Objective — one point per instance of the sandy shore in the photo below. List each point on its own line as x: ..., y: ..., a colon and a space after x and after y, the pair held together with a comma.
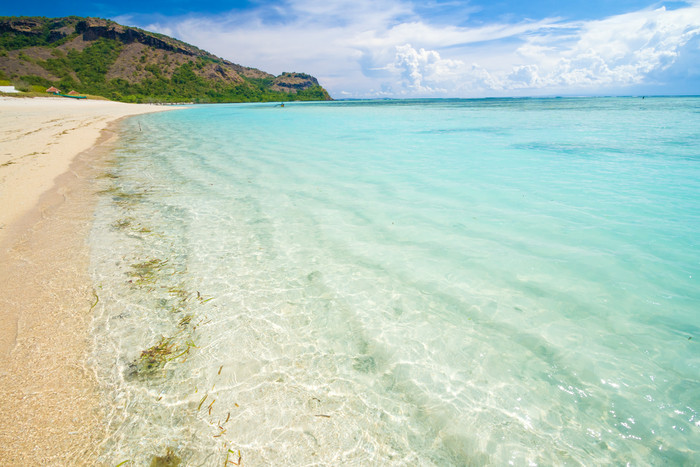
x: 51, y: 149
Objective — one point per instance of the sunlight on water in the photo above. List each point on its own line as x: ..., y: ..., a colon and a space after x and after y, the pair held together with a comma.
x: 383, y: 283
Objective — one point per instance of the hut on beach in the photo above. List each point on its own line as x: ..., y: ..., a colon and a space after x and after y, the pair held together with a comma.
x: 53, y: 90
x: 74, y: 93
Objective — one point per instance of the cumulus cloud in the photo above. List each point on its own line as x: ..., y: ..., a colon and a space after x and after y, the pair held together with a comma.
x: 525, y: 76
x: 425, y: 73
x: 362, y: 48
x: 422, y: 70
x: 619, y: 51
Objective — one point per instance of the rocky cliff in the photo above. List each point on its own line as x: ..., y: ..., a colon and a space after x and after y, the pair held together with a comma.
x: 98, y: 56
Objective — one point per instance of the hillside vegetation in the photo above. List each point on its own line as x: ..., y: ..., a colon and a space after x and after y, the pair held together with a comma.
x: 100, y: 57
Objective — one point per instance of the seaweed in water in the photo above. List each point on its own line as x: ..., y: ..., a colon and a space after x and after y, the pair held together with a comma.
x: 188, y: 345
x: 146, y: 272
x: 170, y: 459
x: 122, y: 223
x: 202, y: 299
x: 180, y: 296
x: 185, y: 320
x: 123, y: 198
x: 156, y: 356
x: 231, y: 461
x: 132, y: 226
x: 97, y: 299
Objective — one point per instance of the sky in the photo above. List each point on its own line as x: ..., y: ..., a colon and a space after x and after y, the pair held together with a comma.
x: 435, y: 48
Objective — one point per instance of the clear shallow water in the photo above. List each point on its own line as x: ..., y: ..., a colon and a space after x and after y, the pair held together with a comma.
x: 384, y: 283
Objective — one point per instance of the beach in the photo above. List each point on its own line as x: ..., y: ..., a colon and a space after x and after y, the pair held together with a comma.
x: 431, y: 282
x: 51, y: 149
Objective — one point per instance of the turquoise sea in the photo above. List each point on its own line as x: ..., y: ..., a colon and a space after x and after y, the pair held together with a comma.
x: 427, y: 282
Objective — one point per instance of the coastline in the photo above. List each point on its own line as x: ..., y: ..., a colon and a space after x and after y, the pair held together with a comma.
x: 51, y: 150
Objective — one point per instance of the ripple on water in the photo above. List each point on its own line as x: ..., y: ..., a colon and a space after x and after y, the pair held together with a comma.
x: 360, y: 286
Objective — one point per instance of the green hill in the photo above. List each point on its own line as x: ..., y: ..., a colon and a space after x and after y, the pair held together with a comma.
x: 100, y: 57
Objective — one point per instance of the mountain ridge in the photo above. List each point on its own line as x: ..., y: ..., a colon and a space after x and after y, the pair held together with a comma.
x: 99, y: 56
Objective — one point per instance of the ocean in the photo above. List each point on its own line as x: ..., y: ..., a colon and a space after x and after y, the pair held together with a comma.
x: 409, y: 282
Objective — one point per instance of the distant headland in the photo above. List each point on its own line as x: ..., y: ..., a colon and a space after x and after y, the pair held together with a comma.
x: 99, y: 57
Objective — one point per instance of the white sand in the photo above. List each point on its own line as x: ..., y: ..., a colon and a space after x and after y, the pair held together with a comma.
x: 49, y: 407
x: 40, y: 137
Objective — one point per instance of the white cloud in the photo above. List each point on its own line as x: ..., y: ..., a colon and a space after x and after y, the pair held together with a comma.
x: 422, y: 70
x: 525, y: 76
x: 363, y: 48
x: 617, y: 51
x: 425, y: 73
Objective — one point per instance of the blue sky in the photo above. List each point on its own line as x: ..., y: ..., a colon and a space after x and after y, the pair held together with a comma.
x: 436, y: 48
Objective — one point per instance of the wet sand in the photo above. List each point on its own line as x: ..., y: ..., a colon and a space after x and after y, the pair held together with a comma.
x: 51, y: 151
